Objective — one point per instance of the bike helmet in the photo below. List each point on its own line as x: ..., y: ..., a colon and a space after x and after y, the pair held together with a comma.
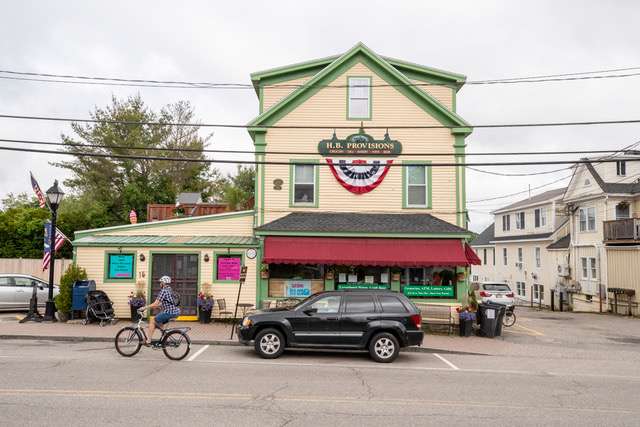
x: 165, y: 280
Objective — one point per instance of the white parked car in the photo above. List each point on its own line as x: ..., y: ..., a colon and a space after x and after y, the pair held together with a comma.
x: 496, y: 292
x: 16, y: 290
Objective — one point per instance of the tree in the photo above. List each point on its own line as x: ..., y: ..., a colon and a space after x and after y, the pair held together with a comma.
x: 239, y: 189
x: 21, y: 227
x: 120, y: 185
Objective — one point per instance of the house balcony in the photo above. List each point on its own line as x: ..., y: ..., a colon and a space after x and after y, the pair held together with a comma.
x: 622, y: 231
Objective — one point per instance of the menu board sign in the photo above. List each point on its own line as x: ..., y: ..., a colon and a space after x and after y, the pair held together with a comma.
x: 121, y: 266
x: 297, y: 288
x: 228, y: 267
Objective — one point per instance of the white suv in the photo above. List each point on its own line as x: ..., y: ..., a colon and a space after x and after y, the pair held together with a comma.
x: 496, y: 292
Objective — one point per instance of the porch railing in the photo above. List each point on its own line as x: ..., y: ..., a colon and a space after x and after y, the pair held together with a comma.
x: 622, y: 229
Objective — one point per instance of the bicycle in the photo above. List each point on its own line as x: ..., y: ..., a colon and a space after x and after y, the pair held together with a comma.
x: 509, y: 318
x: 174, y: 342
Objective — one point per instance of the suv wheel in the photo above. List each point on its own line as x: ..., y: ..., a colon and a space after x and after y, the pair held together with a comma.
x: 269, y: 344
x: 384, y: 348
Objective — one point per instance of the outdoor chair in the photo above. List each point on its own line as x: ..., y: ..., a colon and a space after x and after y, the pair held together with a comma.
x: 222, y: 308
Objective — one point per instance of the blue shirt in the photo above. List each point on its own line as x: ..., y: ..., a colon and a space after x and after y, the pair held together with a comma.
x: 168, y: 302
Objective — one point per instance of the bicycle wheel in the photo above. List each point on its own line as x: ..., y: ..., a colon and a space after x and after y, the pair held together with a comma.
x: 128, y: 341
x: 509, y: 319
x: 176, y: 345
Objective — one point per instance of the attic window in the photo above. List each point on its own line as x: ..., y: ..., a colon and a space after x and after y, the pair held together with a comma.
x: 587, y: 182
x: 359, y: 98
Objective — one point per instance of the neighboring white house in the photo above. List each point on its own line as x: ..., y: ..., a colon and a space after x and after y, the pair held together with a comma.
x: 515, y: 248
x: 584, y: 240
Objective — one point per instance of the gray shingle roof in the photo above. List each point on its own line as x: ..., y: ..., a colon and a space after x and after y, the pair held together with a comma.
x: 485, y: 237
x: 523, y: 237
x: 613, y: 187
x: 562, y: 243
x: 333, y: 222
x: 547, y: 195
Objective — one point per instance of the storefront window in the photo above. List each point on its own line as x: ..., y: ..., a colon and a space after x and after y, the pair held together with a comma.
x: 362, y: 275
x: 295, y: 271
x: 428, y: 282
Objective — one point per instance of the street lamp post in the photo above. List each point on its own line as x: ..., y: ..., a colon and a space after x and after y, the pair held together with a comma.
x: 54, y: 196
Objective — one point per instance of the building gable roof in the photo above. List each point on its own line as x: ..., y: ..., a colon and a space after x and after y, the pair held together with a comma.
x: 361, y: 54
x: 613, y: 187
x: 486, y: 237
x: 562, y: 243
x: 540, y: 198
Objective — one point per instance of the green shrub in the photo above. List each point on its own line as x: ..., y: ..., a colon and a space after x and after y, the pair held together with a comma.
x: 63, y: 299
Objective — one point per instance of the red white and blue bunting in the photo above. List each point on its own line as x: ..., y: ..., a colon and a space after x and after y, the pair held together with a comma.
x: 359, y: 176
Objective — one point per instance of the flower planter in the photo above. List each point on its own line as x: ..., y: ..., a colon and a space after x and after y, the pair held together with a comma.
x: 264, y: 274
x: 204, y: 316
x: 63, y: 316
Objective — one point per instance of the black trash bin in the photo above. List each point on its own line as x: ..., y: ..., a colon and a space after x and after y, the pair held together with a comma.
x: 501, y: 309
x: 466, y: 327
x: 488, y: 316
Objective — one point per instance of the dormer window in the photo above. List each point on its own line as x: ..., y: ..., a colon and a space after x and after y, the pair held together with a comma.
x: 587, y: 182
x: 621, y: 168
x: 359, y: 98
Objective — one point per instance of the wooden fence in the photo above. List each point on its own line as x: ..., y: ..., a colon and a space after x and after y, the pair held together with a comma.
x: 33, y: 267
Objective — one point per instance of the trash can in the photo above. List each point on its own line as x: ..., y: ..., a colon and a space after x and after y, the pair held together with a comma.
x: 80, y: 290
x: 501, y: 309
x: 488, y: 316
x: 466, y: 324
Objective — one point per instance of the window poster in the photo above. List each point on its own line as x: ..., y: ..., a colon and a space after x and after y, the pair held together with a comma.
x: 228, y: 267
x: 342, y: 277
x: 120, y: 266
x: 297, y: 288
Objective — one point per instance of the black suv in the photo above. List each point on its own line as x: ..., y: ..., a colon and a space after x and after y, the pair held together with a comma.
x: 380, y: 321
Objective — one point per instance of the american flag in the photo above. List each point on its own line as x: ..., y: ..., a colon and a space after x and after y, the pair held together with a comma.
x: 60, y: 239
x: 36, y: 188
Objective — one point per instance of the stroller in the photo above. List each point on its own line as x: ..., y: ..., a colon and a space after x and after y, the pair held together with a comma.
x: 99, y: 308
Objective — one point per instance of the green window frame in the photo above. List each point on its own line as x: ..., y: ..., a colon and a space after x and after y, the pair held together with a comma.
x: 315, y: 183
x: 406, y: 184
x: 217, y: 255
x: 353, y: 94
x: 107, y: 277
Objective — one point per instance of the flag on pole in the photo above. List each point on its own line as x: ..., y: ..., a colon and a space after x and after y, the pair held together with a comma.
x: 60, y: 239
x: 36, y: 188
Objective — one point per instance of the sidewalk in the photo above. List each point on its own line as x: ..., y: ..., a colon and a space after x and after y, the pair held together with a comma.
x: 213, y: 334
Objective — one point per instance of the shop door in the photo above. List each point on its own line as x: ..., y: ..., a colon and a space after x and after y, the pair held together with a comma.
x: 183, y: 270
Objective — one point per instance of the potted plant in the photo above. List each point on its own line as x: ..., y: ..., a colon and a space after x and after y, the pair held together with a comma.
x: 329, y: 274
x: 64, y: 298
x: 205, y: 306
x: 136, y: 301
x: 264, y: 271
x: 395, y: 275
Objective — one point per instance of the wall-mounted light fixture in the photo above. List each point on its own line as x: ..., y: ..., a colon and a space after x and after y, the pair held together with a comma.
x: 142, y: 257
x: 206, y: 258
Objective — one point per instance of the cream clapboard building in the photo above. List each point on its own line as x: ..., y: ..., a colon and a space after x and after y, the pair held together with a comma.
x: 347, y: 210
x: 594, y: 245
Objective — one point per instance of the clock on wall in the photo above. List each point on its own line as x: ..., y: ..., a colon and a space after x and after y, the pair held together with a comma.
x: 251, y: 253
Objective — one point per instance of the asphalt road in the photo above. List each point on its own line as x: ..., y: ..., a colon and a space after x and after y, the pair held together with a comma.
x: 69, y: 384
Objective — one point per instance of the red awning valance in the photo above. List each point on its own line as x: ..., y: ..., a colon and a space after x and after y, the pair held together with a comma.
x: 471, y: 255
x: 366, y: 251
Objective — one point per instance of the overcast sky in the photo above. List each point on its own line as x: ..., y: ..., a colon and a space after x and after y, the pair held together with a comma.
x: 226, y: 41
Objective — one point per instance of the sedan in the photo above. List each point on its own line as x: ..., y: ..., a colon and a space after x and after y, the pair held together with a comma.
x: 16, y: 291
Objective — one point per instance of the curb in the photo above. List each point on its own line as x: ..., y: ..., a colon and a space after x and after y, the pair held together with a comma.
x: 210, y: 342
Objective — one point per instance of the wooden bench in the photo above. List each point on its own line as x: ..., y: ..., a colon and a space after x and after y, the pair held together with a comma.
x: 436, y: 314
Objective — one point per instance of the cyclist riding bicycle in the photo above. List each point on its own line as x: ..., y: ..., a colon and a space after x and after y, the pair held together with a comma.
x: 167, y: 302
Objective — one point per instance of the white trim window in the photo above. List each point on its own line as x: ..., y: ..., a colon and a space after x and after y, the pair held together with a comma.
x: 540, y: 217
x: 589, y: 268
x: 538, y: 292
x: 521, y: 289
x: 506, y: 222
x: 538, y: 260
x: 304, y: 184
x: 519, y: 220
x: 505, y: 258
x: 623, y: 210
x: 417, y: 186
x: 484, y: 257
x: 621, y: 168
x: 587, y: 219
x: 359, y: 98
x: 520, y: 255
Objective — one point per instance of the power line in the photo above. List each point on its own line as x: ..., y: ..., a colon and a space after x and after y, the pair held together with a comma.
x: 116, y: 81
x: 520, y: 192
x: 354, y: 126
x: 254, y: 162
x: 513, y: 174
x: 207, y: 150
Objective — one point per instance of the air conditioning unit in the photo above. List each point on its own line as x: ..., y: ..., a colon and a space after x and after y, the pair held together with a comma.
x: 519, y: 265
x: 564, y: 270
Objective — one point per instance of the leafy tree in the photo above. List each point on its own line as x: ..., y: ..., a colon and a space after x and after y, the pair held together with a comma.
x: 21, y: 227
x: 124, y: 184
x: 71, y: 275
x: 238, y: 189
